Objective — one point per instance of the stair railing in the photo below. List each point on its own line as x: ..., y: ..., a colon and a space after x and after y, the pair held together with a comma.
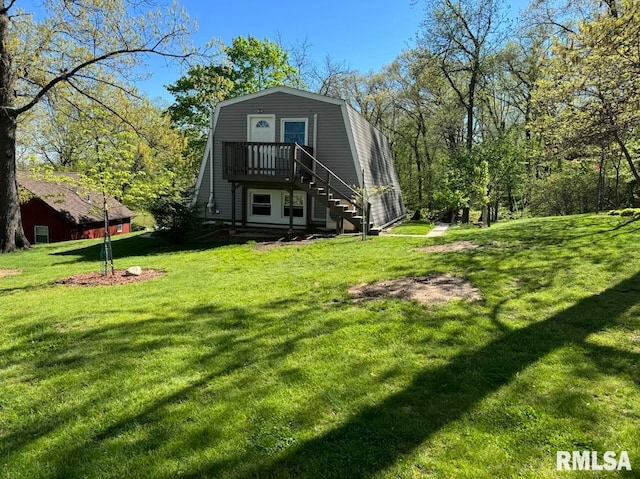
x: 356, y: 199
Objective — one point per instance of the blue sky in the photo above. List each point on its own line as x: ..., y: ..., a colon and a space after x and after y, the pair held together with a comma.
x: 365, y: 35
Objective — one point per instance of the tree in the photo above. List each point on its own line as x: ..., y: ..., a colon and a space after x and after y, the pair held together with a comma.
x: 425, y: 123
x: 588, y: 102
x: 247, y: 66
x: 78, y: 45
x: 151, y: 151
x: 464, y: 35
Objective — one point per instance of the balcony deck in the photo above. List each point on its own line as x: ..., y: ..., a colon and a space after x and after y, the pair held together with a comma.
x: 264, y: 162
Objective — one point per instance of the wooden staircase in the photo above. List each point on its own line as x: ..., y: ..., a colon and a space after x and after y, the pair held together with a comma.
x: 330, y: 190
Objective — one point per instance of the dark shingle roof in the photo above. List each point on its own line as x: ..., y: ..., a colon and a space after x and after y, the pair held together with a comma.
x: 74, y: 203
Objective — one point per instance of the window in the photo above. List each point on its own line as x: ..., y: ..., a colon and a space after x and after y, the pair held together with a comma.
x: 41, y: 234
x: 298, y: 205
x: 262, y: 124
x: 294, y: 131
x: 261, y: 204
x: 119, y: 228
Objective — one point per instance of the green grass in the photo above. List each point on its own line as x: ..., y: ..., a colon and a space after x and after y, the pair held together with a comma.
x: 419, y: 227
x: 143, y: 219
x: 246, y: 363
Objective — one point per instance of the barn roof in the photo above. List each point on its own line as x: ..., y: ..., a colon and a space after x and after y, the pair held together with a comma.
x: 78, y: 205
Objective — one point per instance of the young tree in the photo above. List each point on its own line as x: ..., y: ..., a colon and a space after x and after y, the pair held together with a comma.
x: 77, y: 45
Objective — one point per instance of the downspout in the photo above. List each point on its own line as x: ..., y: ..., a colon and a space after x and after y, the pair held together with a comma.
x: 311, y: 215
x: 211, y: 203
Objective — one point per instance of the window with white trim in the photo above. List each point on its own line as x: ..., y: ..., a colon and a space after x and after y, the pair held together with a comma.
x: 260, y: 204
x: 294, y: 131
x: 298, y: 204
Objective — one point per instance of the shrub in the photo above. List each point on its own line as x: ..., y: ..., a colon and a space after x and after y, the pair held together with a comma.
x: 175, y: 217
x: 572, y: 191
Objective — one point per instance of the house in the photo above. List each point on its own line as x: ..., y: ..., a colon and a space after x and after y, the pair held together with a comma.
x: 284, y: 157
x: 57, y: 211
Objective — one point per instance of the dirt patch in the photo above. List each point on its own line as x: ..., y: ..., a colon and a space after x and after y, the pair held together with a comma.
x: 294, y: 241
x: 449, y: 247
x: 9, y: 272
x: 426, y: 289
x: 119, y: 277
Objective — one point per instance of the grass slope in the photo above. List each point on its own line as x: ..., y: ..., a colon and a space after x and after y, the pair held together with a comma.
x: 245, y: 363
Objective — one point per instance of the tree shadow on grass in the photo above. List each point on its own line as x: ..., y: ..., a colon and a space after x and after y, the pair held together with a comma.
x: 142, y: 246
x: 380, y: 434
x: 229, y: 342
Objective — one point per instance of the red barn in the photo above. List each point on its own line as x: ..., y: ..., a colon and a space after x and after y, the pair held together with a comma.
x: 58, y: 211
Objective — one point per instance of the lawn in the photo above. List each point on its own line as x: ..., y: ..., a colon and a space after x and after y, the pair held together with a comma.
x: 417, y: 227
x: 243, y: 362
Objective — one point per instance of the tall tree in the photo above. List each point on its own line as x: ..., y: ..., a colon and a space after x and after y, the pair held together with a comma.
x: 247, y: 66
x: 589, y: 99
x: 150, y: 151
x: 77, y: 45
x: 464, y: 35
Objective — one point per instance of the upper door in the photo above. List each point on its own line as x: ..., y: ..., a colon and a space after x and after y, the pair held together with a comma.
x: 261, y: 128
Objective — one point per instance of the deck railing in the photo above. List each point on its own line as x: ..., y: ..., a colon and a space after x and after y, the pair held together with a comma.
x: 290, y: 163
x: 246, y: 161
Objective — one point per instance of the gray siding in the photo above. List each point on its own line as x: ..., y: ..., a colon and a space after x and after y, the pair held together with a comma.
x: 336, y: 126
x: 332, y: 146
x: 374, y: 157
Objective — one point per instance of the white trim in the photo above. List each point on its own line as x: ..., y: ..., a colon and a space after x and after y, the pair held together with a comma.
x: 306, y: 128
x: 314, y: 217
x: 282, y: 89
x: 208, y: 154
x: 277, y: 216
x: 270, y: 116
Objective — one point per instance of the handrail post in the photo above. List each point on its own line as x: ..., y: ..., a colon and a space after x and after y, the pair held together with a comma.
x: 365, y: 209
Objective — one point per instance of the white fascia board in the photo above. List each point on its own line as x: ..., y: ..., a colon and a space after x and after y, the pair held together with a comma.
x: 205, y: 157
x: 282, y: 89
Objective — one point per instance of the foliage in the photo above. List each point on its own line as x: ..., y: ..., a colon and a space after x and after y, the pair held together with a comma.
x: 626, y: 212
x: 589, y: 97
x: 78, y: 47
x: 464, y: 35
x: 175, y: 216
x: 247, y: 66
x: 570, y: 191
x: 205, y: 372
x: 135, y: 155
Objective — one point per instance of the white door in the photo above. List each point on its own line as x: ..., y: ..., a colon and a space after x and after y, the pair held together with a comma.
x: 261, y: 129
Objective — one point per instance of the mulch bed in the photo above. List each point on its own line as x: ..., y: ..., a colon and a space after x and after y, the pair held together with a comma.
x: 120, y: 276
x: 299, y: 240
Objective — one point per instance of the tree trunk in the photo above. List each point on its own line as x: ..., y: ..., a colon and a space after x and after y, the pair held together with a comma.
x: 416, y: 151
x: 11, y: 234
x: 470, y: 108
